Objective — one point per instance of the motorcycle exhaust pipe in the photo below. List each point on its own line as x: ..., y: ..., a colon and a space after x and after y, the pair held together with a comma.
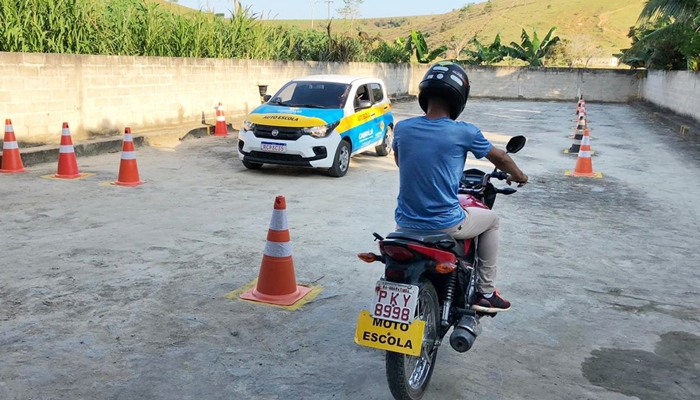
x: 465, y: 333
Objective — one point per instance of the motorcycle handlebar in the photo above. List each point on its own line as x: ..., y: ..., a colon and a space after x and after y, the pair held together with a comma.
x: 500, y: 175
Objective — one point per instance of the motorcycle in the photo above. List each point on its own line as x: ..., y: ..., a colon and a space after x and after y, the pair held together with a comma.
x: 429, y: 286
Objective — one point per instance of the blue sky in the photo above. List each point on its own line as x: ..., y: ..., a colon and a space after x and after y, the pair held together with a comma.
x: 301, y: 9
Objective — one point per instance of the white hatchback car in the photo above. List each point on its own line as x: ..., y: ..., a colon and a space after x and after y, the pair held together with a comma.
x: 318, y: 121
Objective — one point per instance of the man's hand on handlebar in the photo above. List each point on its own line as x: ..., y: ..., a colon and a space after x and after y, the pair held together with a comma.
x: 521, y: 180
x: 501, y: 160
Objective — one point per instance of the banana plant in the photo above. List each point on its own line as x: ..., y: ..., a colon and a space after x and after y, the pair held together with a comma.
x: 532, y: 50
x: 482, y: 54
x: 416, y: 42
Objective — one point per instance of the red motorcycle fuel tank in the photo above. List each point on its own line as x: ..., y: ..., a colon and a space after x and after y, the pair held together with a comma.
x: 467, y: 200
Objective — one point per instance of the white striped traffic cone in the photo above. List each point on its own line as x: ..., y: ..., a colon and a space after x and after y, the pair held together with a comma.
x: 277, y: 281
x: 221, y: 129
x: 584, y: 164
x: 128, y: 169
x: 11, y: 158
x: 67, y: 162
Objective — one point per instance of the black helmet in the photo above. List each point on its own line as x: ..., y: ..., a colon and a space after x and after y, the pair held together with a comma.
x: 446, y: 80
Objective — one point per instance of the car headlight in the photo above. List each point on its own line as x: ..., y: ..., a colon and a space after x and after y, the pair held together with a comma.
x: 248, y: 126
x: 320, y: 131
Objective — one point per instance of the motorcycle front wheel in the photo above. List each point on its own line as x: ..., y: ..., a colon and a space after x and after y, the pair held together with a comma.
x: 408, y: 376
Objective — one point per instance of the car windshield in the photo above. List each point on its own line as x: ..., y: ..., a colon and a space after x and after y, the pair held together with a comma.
x: 312, y: 95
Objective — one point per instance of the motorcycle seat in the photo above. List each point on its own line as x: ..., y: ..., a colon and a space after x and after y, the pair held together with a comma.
x: 432, y: 238
x: 427, y: 237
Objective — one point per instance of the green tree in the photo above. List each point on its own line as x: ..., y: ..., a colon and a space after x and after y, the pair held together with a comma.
x: 655, y: 50
x: 350, y: 10
x: 666, y: 29
x: 683, y: 12
x: 576, y: 50
x: 532, y: 50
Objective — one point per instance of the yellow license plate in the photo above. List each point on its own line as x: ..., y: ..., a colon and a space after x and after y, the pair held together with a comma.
x: 388, y: 335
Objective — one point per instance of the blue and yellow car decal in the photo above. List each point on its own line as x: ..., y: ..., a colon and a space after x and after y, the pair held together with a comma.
x: 362, y: 127
x: 366, y: 126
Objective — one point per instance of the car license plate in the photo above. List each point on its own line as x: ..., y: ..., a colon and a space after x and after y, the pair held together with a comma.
x: 394, y: 302
x: 388, y: 335
x: 273, y: 147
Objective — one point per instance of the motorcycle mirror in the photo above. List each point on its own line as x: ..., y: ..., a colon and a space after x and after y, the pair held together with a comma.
x: 507, y: 191
x: 515, y: 144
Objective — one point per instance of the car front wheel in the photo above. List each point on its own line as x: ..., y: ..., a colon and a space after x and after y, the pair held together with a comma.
x: 252, y: 165
x: 385, y: 147
x: 341, y: 161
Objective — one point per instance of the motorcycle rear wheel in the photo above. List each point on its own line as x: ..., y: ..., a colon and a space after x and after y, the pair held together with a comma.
x: 409, y: 376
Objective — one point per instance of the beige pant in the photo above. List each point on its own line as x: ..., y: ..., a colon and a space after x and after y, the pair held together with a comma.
x: 484, y: 224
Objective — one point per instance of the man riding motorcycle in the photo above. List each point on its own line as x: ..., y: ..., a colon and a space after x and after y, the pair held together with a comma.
x: 431, y: 152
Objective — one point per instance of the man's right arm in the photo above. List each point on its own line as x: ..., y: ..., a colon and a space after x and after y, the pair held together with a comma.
x: 395, y: 144
x: 502, y: 161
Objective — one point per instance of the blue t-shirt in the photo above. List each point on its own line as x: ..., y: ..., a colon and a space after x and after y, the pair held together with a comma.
x: 431, y: 158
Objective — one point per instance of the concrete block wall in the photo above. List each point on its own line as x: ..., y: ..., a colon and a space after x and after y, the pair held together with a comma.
x: 678, y: 91
x: 100, y: 95
x: 606, y: 85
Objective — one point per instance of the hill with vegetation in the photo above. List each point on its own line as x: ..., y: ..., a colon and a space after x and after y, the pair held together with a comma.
x: 594, y: 26
x: 588, y: 29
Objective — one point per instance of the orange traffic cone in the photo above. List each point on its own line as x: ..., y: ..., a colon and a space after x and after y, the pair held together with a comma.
x: 276, y: 281
x: 67, y: 162
x: 128, y: 169
x: 11, y: 159
x: 221, y: 129
x: 584, y: 164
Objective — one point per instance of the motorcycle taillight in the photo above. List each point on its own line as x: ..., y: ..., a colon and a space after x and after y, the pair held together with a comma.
x: 397, y: 253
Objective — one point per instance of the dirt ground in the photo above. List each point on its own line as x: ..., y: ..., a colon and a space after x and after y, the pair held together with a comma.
x: 119, y: 293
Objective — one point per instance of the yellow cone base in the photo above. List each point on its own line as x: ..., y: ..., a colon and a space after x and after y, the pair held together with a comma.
x: 80, y: 176
x: 310, y: 293
x: 286, y: 300
x: 567, y: 151
x: 591, y: 175
x: 128, y: 184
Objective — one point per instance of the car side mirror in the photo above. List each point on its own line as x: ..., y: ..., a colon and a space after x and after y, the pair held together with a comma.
x: 267, y: 98
x: 363, y: 104
x: 515, y: 144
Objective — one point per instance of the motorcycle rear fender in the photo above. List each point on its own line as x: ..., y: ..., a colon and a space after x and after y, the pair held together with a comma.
x: 411, y: 273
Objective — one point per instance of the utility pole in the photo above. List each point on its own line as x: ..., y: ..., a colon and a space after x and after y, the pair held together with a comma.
x: 313, y: 6
x: 329, y: 8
